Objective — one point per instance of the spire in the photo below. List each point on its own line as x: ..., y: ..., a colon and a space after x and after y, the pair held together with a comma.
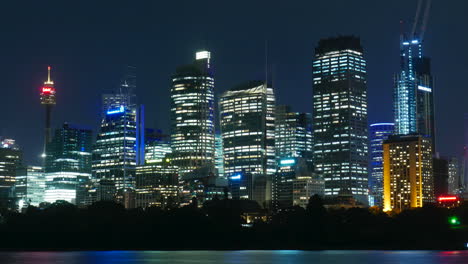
x: 48, y: 73
x: 49, y: 81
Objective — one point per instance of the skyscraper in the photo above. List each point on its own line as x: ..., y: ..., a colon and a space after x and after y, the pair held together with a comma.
x: 340, y: 116
x: 293, y: 171
x: 454, y: 175
x: 157, y: 146
x: 192, y: 118
x: 293, y: 134
x: 378, y: 133
x: 68, y: 162
x: 120, y: 142
x: 413, y: 94
x: 408, y: 173
x: 219, y: 156
x: 30, y: 186
x: 247, y: 117
x: 48, y: 100
x: 11, y: 158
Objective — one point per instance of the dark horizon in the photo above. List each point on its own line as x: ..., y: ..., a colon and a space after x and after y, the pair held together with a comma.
x: 87, y: 45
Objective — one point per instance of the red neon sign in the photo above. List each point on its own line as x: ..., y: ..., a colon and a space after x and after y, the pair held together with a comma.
x: 447, y: 198
x: 46, y: 89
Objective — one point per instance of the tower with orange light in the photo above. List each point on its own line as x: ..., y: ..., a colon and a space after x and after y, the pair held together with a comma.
x: 48, y: 100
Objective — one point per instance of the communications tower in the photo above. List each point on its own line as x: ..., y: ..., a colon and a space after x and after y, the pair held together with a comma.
x: 48, y: 100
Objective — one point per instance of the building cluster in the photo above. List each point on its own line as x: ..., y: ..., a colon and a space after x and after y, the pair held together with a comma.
x: 243, y: 145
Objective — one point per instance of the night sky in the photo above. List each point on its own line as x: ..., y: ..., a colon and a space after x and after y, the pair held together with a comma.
x: 87, y: 44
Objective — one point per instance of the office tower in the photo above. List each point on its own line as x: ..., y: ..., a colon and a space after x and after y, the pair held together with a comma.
x: 219, y: 156
x: 157, y: 184
x: 192, y: 118
x: 247, y: 117
x: 441, y: 176
x: 68, y: 162
x: 293, y: 171
x: 293, y: 134
x: 48, y: 100
x: 340, y: 116
x: 413, y: 93
x: 30, y: 186
x: 157, y: 146
x: 454, y: 175
x: 10, y: 160
x: 378, y: 132
x: 305, y: 187
x: 119, y: 145
x: 408, y: 180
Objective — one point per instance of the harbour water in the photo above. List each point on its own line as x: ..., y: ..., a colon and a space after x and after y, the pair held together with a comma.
x: 237, y: 257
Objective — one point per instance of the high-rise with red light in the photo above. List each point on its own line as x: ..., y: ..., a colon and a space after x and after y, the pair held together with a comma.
x: 48, y: 100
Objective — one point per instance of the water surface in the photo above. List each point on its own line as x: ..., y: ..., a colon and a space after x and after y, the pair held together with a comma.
x: 255, y: 257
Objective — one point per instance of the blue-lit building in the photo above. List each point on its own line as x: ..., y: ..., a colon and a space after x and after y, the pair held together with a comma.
x: 192, y: 118
x: 119, y: 146
x: 413, y: 93
x: 378, y: 132
x: 340, y: 117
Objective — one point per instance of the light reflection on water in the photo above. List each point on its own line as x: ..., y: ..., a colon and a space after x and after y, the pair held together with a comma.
x: 236, y: 257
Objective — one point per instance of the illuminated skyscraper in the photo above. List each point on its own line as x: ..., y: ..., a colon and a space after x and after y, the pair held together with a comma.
x: 413, y: 94
x: 408, y: 173
x: 378, y: 133
x: 157, y: 146
x: 68, y: 162
x: 247, y: 117
x: 219, y: 156
x: 30, y: 186
x: 294, y: 177
x: 192, y: 118
x: 293, y: 134
x: 340, y: 116
x: 48, y: 100
x: 11, y: 159
x: 454, y: 176
x: 119, y: 145
x: 157, y: 184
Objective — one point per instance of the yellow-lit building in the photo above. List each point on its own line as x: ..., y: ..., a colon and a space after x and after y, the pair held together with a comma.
x: 408, y: 177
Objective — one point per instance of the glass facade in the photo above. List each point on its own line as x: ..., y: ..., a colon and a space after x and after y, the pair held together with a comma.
x: 30, y: 186
x: 413, y: 94
x: 67, y: 162
x: 10, y: 160
x: 378, y: 132
x: 340, y: 116
x: 120, y: 144
x: 247, y: 117
x: 293, y: 134
x: 192, y: 118
x: 219, y: 157
x: 157, y: 185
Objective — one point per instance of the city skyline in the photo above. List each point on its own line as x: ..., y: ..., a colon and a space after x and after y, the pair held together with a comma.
x: 80, y: 81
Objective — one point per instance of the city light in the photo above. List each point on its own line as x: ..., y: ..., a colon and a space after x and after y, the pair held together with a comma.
x: 121, y: 109
x: 447, y: 198
x: 453, y: 220
x: 287, y: 161
x: 236, y: 177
